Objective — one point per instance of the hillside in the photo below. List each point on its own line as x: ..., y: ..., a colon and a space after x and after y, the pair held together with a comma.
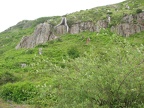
x: 83, y: 70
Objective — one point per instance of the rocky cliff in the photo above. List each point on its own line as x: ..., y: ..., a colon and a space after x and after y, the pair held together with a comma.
x: 44, y: 32
x: 88, y: 26
x: 62, y: 27
x: 129, y: 25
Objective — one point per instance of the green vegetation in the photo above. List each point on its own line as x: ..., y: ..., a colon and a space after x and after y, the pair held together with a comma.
x: 6, y: 77
x: 18, y: 92
x: 73, y: 53
x: 138, y: 11
x: 107, y: 72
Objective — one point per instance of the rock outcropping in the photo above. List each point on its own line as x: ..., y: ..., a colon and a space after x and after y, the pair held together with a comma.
x: 63, y: 27
x: 80, y: 27
x: 131, y: 24
x: 88, y: 26
x: 42, y: 34
x: 45, y: 32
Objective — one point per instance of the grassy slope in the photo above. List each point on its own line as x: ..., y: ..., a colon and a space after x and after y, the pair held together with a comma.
x: 61, y: 79
x: 108, y: 71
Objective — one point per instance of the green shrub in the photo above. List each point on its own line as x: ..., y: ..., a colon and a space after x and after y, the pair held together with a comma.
x: 59, y: 40
x: 18, y: 92
x: 70, y: 22
x: 42, y: 46
x: 1, y: 51
x: 138, y: 10
x: 73, y: 53
x: 6, y: 77
x: 109, y: 13
x: 30, y: 51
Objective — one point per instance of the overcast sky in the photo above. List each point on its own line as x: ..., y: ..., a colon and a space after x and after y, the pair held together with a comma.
x: 13, y: 11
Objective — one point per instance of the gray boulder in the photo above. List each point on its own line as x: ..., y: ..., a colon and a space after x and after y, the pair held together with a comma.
x: 42, y: 34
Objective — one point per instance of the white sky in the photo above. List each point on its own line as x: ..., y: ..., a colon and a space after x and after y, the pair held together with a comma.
x: 13, y: 11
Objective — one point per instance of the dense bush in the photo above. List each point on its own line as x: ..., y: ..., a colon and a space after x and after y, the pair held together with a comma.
x: 73, y: 53
x: 6, y: 77
x: 108, y: 79
x: 18, y: 92
x: 109, y: 73
x: 138, y: 10
x: 109, y: 13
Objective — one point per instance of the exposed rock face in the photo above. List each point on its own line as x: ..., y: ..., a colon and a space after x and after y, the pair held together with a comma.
x: 25, y: 42
x: 42, y: 34
x: 128, y: 19
x: 45, y: 32
x: 131, y: 24
x: 88, y: 26
x: 75, y: 28
x: 100, y: 25
x: 127, y: 29
x: 62, y: 28
x: 140, y: 18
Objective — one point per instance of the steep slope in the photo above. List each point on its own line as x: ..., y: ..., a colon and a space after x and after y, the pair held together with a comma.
x: 81, y: 70
x: 72, y: 72
x: 124, y: 19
